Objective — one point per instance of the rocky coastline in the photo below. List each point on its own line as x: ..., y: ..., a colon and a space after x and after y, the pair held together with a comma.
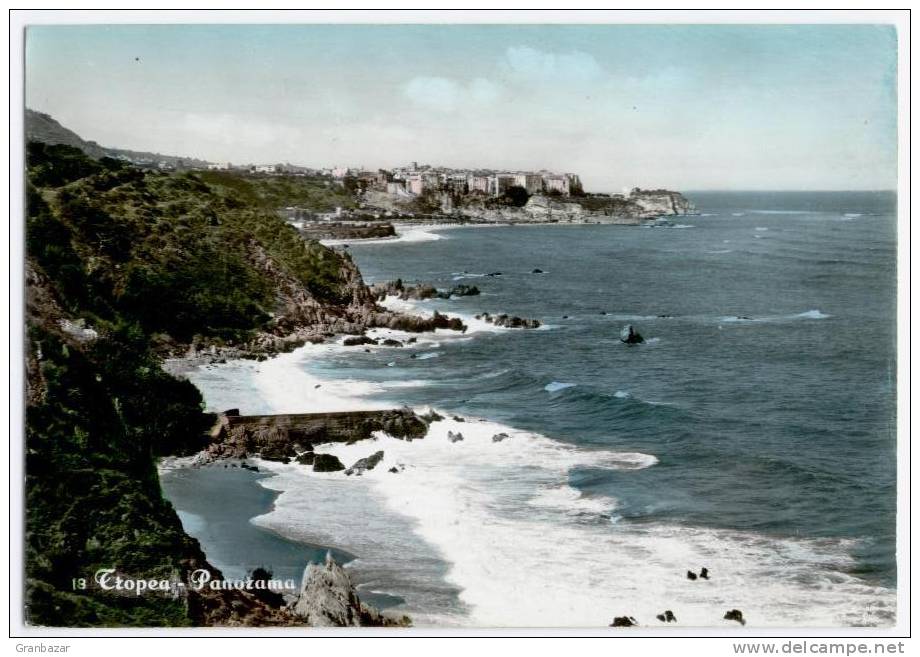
x: 638, y: 207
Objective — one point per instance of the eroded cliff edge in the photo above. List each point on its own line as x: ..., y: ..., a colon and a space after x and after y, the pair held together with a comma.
x: 123, y: 267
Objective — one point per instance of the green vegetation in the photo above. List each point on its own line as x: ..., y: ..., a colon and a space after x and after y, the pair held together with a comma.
x: 143, y: 257
x: 273, y: 192
x: 93, y: 498
x: 173, y: 252
x: 516, y: 196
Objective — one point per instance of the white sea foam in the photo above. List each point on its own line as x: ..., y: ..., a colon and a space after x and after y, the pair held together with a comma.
x: 418, y: 234
x: 497, y: 522
x: 428, y: 355
x: 404, y: 233
x: 811, y: 314
x: 556, y: 386
x: 473, y: 324
x: 572, y: 501
x: 621, y: 394
x: 526, y: 550
x: 808, y: 314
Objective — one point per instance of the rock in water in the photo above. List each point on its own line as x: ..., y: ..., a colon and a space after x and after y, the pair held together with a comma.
x: 735, y: 615
x: 629, y: 335
x: 361, y: 465
x: 431, y: 416
x: 358, y: 340
x: 497, y: 438
x: 509, y: 321
x: 454, y: 437
x: 691, y: 575
x: 460, y: 291
x: 327, y: 463
x: 623, y: 621
x: 328, y: 599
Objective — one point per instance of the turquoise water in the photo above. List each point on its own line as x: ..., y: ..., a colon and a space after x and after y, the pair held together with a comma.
x: 216, y: 503
x: 783, y: 423
x: 752, y: 433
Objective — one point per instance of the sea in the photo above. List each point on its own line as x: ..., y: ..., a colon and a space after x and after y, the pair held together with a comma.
x: 752, y: 433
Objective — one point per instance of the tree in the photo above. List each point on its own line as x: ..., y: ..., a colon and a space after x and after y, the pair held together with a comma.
x: 517, y: 196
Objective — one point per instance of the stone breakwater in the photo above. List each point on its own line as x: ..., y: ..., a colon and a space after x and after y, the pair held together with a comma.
x: 292, y: 436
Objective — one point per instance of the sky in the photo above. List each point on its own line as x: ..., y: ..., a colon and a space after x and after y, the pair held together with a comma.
x: 687, y: 107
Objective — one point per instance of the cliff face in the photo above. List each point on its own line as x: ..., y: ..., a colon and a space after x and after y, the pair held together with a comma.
x: 661, y: 202
x: 123, y: 266
x: 613, y: 209
x: 98, y: 408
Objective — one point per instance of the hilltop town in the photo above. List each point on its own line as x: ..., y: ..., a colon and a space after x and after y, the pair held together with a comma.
x: 353, y: 202
x: 429, y: 194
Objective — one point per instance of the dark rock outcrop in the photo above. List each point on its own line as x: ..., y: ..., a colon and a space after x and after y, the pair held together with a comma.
x: 630, y: 335
x: 623, y: 621
x: 497, y: 438
x: 735, y: 615
x: 454, y: 437
x: 460, y: 291
x: 327, y: 463
x: 431, y: 416
x: 286, y: 436
x: 355, y: 341
x: 691, y: 575
x: 416, y: 323
x: 667, y: 617
x: 362, y: 465
x: 417, y: 292
x: 509, y: 321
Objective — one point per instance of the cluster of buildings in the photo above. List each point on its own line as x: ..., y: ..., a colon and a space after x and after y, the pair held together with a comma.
x: 262, y: 168
x: 415, y: 180
x: 412, y: 180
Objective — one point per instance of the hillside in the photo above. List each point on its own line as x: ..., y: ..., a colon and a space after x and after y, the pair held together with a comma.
x: 43, y: 128
x: 274, y: 192
x: 126, y: 265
